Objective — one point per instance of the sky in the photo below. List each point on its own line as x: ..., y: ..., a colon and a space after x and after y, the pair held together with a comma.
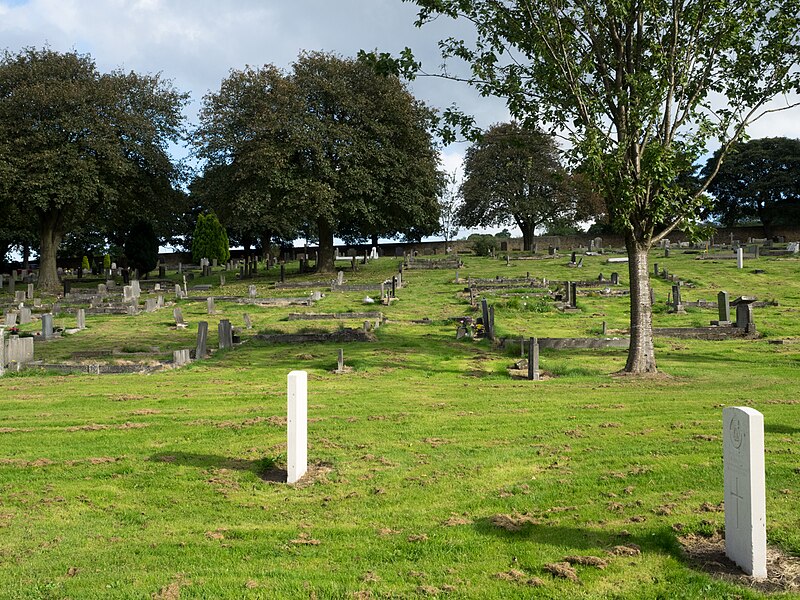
x: 195, y: 43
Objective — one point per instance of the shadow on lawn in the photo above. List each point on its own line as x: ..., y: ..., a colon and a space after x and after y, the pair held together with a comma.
x: 780, y: 428
x: 264, y: 468
x: 582, y: 539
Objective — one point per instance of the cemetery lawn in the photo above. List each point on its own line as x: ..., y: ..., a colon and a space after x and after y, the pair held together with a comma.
x: 433, y: 473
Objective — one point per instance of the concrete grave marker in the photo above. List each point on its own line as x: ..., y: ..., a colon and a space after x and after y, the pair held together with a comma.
x: 24, y: 315
x: 745, y: 489
x: 177, y: 313
x: 19, y: 297
x: 30, y: 291
x: 297, y: 426
x: 740, y: 258
x: 81, y: 318
x: 181, y: 357
x: 11, y: 319
x: 210, y: 305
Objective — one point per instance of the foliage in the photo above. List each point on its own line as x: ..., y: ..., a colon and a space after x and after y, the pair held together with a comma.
x: 631, y: 85
x: 141, y: 247
x: 85, y: 264
x: 79, y: 147
x: 332, y: 148
x: 513, y: 175
x: 210, y: 239
x: 483, y: 244
x: 759, y: 179
x: 106, y: 262
x: 448, y: 207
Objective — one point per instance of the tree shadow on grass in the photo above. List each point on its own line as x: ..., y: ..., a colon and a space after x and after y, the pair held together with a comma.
x: 264, y: 468
x: 780, y: 428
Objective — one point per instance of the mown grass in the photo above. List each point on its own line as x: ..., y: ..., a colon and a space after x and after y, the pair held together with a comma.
x: 136, y: 486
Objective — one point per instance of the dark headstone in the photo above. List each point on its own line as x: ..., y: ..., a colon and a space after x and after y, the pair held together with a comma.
x: 202, y: 340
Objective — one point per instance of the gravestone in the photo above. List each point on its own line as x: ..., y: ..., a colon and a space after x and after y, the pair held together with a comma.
x: 132, y: 310
x: 533, y: 359
x: 19, y: 297
x: 20, y: 351
x: 677, y: 305
x: 210, y: 305
x: 150, y: 305
x: 745, y: 489
x: 296, y: 426
x: 160, y: 301
x: 177, y: 313
x: 740, y: 258
x: 178, y: 291
x: 615, y: 278
x: 487, y: 328
x: 724, y: 308
x: 127, y: 293
x: 2, y: 352
x: 283, y: 272
x: 11, y: 320
x: 247, y: 322
x: 11, y: 284
x: 340, y: 278
x: 340, y: 362
x: 202, y: 340
x: 315, y: 296
x: 225, y: 332
x: 81, y: 318
x: 102, y: 288
x: 573, y: 294
x: 744, y: 313
x: 47, y: 326
x: 251, y: 291
x: 580, y: 262
x: 30, y: 291
x: 24, y: 315
x: 181, y: 357
x: 655, y: 269
x: 221, y: 280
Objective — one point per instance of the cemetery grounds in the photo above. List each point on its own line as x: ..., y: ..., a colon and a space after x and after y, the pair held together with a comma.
x: 433, y: 472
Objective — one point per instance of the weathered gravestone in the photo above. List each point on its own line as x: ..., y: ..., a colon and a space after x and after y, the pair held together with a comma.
x: 615, y: 278
x: 47, y: 326
x: 251, y: 291
x: 745, y: 489
x: 210, y: 305
x: 19, y: 297
x: 247, y: 322
x: 2, y: 352
x: 744, y: 313
x: 30, y: 291
x: 202, y: 340
x: 225, y: 331
x: 724, y: 308
x: 11, y: 319
x: 81, y: 318
x: 181, y: 357
x: 296, y: 426
x: 177, y: 313
x: 150, y: 305
x: 533, y: 359
x: 24, y: 315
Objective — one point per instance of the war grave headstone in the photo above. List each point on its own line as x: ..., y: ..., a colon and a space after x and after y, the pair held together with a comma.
x: 745, y: 489
x: 296, y: 426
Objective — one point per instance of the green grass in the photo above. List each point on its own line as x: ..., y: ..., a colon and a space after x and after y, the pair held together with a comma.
x: 132, y: 486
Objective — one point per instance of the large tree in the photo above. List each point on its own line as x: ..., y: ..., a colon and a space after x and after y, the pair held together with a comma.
x: 513, y: 174
x: 760, y: 179
x: 331, y: 149
x: 81, y: 145
x: 640, y: 87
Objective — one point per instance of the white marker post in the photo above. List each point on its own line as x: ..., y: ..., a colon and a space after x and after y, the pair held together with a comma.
x: 297, y: 426
x: 745, y: 493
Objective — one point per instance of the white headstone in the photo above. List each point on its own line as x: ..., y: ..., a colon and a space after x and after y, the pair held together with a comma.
x: 745, y: 493
x: 297, y: 426
x: 740, y: 258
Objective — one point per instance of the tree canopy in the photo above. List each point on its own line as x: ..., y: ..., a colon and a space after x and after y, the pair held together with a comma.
x: 210, y: 239
x: 83, y: 147
x: 758, y: 180
x: 331, y: 148
x: 513, y: 174
x: 640, y: 89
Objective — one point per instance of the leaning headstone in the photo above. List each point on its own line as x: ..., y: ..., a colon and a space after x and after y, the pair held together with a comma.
x: 247, y: 322
x: 296, y: 426
x: 202, y: 340
x: 225, y: 332
x: 177, y: 313
x: 47, y: 326
x: 740, y: 258
x: 24, y: 315
x: 81, y: 318
x: 745, y: 490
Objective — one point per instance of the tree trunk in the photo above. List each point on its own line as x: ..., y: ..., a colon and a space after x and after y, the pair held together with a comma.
x: 375, y: 240
x: 641, y: 355
x: 326, y: 263
x: 50, y: 240
x: 527, y: 236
